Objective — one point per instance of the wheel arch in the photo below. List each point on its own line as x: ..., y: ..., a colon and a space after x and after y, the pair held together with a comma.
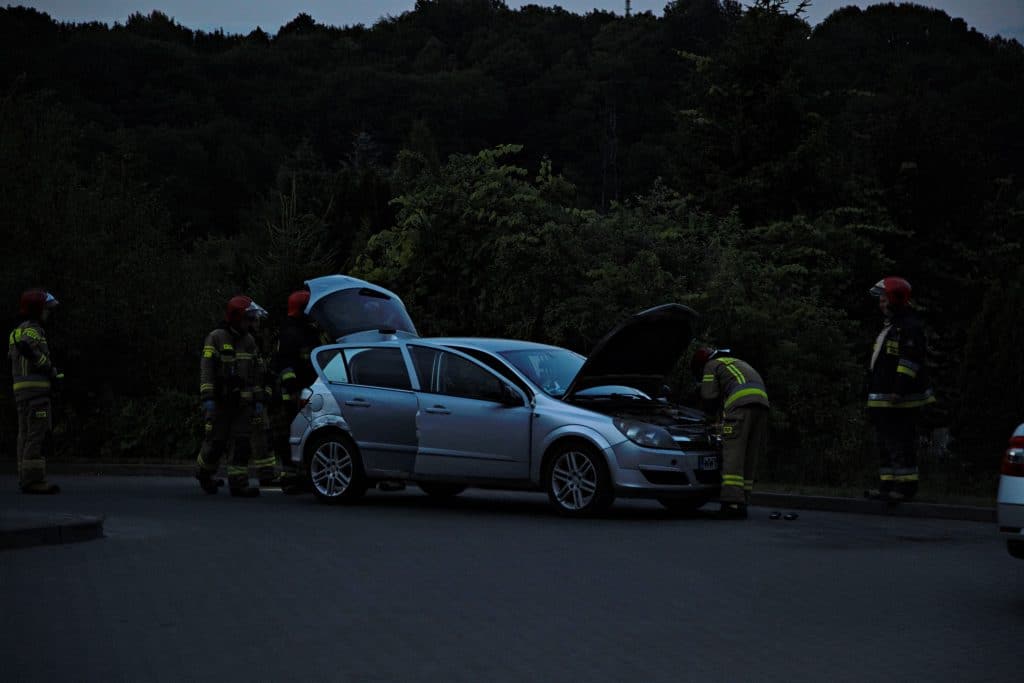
x: 571, y: 434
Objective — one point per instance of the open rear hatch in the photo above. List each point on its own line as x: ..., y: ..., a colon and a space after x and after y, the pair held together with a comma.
x: 345, y: 306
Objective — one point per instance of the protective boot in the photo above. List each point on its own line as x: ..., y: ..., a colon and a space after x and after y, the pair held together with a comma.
x: 208, y: 483
x: 245, y: 491
x: 732, y: 511
x: 40, y: 488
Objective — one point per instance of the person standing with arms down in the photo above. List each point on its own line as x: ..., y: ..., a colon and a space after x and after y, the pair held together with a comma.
x: 232, y: 398
x: 898, y: 389
x: 264, y: 459
x: 34, y: 375
x: 299, y: 336
x: 733, y: 388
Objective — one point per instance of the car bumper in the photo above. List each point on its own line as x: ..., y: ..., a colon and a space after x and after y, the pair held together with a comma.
x: 639, y: 472
x: 1010, y: 507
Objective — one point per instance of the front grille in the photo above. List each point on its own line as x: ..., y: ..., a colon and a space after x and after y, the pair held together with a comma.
x: 666, y: 478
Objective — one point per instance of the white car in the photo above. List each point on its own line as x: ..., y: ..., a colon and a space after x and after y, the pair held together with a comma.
x: 1010, y: 501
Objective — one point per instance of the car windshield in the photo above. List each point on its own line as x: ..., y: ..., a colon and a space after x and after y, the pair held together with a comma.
x: 553, y: 370
x: 356, y: 310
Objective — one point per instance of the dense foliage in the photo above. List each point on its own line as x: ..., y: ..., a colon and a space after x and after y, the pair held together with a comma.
x: 531, y: 173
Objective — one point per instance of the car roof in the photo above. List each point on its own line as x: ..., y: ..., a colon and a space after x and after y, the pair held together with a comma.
x: 488, y: 345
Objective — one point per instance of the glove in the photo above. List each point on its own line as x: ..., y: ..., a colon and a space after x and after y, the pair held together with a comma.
x: 257, y: 410
x: 209, y: 409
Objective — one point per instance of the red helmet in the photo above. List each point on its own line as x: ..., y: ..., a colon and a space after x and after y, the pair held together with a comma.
x: 34, y: 301
x: 896, y: 290
x: 236, y: 309
x: 700, y: 358
x: 297, y: 302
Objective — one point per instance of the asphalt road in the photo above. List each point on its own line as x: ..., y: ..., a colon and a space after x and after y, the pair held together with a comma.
x: 492, y: 587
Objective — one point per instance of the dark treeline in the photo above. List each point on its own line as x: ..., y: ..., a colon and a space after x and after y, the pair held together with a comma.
x: 529, y: 173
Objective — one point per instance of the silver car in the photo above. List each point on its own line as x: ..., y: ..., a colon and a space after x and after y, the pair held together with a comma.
x: 450, y: 413
x: 1010, y: 500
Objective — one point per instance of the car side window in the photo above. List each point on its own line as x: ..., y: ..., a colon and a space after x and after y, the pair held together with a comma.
x: 457, y: 376
x: 377, y: 367
x: 424, y: 361
x: 332, y: 364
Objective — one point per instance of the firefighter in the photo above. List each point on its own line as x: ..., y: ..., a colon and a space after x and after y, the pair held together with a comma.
x: 299, y: 336
x: 34, y: 377
x: 898, y: 389
x: 733, y: 389
x: 264, y: 460
x: 231, y: 398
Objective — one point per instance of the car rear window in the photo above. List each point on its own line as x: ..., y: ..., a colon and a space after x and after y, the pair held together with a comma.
x: 357, y: 310
x: 376, y: 367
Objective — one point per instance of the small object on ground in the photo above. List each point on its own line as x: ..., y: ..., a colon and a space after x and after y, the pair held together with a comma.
x: 245, y: 492
x: 40, y: 488
x: 791, y: 516
x: 732, y: 511
x: 391, y: 486
x: 775, y: 515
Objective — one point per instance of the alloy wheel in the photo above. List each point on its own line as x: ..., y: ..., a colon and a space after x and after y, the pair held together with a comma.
x: 332, y: 469
x: 574, y: 480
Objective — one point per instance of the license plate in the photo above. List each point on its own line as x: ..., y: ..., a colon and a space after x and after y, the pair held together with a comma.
x: 709, y: 462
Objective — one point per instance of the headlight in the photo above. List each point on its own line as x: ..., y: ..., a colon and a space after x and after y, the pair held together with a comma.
x: 646, y: 434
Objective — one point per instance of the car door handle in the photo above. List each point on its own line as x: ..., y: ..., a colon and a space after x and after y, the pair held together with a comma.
x: 438, y: 410
x: 358, y: 403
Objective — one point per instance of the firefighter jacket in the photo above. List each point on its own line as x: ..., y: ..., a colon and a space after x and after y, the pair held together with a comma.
x: 733, y: 382
x: 228, y: 372
x: 295, y: 369
x: 31, y: 366
x: 898, y: 377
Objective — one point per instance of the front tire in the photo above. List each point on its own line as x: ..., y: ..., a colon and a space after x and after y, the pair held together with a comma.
x: 336, y: 469
x: 438, y: 489
x: 577, y: 481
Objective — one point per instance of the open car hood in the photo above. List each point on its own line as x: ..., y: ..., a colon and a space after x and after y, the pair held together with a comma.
x: 640, y: 352
x: 347, y: 308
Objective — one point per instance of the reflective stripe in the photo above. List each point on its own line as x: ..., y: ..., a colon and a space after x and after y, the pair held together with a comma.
x: 743, y: 393
x: 31, y: 384
x: 904, y: 370
x: 264, y: 462
x: 241, y: 355
x: 887, y: 477
x: 227, y: 347
x: 708, y: 378
x: 906, y: 477
x: 901, y: 400
x: 245, y: 394
x: 238, y: 470
x: 286, y: 397
x: 43, y: 360
x: 287, y: 375
x: 209, y: 352
x: 205, y: 387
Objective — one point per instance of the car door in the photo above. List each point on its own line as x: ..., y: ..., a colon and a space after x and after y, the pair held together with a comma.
x: 374, y: 392
x: 472, y: 424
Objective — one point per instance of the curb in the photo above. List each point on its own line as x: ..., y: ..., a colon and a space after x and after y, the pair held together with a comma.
x: 23, y: 529
x: 966, y: 513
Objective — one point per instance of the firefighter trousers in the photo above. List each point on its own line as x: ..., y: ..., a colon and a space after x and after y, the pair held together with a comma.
x: 744, y: 440
x: 231, y: 426
x: 896, y: 436
x: 35, y: 439
x: 263, y: 460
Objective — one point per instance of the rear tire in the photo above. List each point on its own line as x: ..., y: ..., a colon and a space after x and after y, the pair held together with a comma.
x: 335, y: 469
x: 577, y: 481
x: 1015, y: 548
x: 440, y: 489
x: 685, y: 506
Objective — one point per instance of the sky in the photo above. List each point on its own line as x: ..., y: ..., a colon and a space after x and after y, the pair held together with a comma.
x: 1003, y: 17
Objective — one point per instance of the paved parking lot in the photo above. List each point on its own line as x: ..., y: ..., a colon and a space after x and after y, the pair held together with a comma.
x: 492, y: 587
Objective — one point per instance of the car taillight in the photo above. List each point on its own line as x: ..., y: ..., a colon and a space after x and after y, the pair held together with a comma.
x: 304, y: 397
x: 1013, y: 459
